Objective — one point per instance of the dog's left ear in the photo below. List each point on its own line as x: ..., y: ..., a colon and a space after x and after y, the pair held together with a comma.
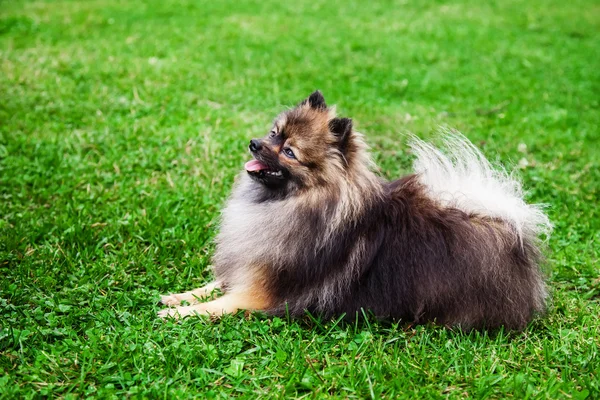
x: 315, y: 101
x: 341, y: 129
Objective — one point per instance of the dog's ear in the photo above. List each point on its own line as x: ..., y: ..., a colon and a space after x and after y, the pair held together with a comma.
x: 341, y: 129
x: 315, y: 101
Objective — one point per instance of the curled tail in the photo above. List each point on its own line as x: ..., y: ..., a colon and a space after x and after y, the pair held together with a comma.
x: 463, y: 178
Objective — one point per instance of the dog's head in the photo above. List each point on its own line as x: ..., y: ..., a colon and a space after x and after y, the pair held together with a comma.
x: 307, y: 146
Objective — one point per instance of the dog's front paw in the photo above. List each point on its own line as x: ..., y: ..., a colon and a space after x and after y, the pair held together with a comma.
x: 170, y: 300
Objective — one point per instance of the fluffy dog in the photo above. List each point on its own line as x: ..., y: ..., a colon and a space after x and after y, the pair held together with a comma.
x: 310, y: 227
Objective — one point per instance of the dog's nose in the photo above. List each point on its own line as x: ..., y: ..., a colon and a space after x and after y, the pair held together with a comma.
x: 255, y: 145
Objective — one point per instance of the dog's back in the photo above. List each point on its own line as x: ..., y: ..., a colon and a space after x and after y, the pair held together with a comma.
x: 461, y: 246
x: 440, y: 263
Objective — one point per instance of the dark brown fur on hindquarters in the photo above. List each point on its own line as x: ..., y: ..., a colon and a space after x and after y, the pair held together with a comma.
x: 421, y: 263
x: 312, y: 226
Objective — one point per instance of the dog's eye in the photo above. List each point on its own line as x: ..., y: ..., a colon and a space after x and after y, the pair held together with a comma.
x: 289, y: 153
x: 272, y: 134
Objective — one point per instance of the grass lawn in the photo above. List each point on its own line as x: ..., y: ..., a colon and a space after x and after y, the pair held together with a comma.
x: 123, y: 125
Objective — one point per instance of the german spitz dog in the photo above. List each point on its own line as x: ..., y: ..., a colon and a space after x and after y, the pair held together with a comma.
x: 311, y: 227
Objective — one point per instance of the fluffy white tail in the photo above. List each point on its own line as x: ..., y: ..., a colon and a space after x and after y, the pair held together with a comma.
x: 462, y: 177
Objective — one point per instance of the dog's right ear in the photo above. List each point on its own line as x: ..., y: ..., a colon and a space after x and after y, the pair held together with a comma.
x: 341, y: 129
x: 315, y: 101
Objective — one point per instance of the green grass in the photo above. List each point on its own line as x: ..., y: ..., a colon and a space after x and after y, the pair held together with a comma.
x: 123, y: 124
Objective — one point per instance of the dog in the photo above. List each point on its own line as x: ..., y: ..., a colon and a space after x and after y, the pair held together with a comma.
x: 310, y: 227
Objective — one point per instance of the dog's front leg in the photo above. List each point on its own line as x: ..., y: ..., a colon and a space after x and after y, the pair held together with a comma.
x: 193, y: 296
x: 226, y: 304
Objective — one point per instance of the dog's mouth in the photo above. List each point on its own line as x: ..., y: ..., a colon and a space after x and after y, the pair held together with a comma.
x: 260, y: 169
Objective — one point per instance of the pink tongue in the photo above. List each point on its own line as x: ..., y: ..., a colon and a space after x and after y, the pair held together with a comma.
x: 255, y: 165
